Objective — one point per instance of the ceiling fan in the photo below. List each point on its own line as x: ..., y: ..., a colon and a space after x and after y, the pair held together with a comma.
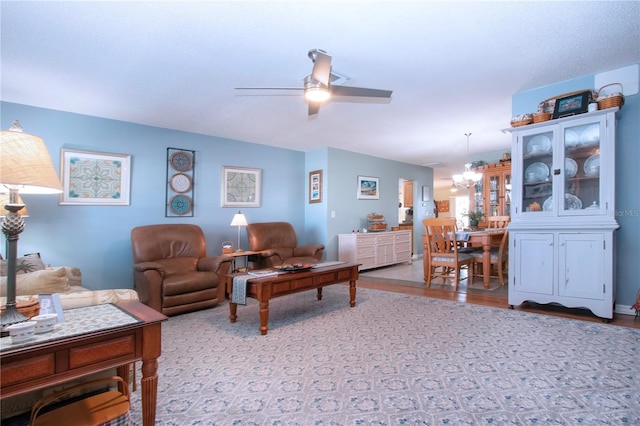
x: 318, y: 88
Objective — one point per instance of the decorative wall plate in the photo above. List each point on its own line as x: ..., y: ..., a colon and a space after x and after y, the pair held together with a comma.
x: 180, y: 183
x: 181, y: 161
x: 180, y: 204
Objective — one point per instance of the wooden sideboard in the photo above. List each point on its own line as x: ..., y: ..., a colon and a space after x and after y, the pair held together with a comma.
x: 375, y: 249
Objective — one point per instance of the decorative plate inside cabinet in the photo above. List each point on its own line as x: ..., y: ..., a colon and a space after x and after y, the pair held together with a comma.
x: 592, y: 165
x: 571, y: 202
x: 536, y: 172
x: 590, y: 135
x: 539, y: 143
x: 571, y: 138
x: 570, y: 167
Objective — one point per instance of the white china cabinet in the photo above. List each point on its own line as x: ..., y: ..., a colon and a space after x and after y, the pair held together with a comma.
x: 563, y: 216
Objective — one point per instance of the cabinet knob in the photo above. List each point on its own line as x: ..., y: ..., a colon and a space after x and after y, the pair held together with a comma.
x: 556, y: 172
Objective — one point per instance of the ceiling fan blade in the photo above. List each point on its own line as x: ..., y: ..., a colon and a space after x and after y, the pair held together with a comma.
x: 321, y: 68
x: 268, y: 88
x: 360, y: 91
x: 314, y: 108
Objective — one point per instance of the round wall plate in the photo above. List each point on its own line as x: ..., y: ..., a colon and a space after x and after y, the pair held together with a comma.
x: 180, y: 183
x: 181, y: 204
x: 181, y: 161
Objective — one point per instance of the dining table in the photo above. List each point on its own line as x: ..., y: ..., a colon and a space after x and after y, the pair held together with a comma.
x: 486, y: 239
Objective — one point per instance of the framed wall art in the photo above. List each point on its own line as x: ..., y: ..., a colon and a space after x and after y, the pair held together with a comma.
x: 425, y: 193
x: 241, y: 187
x: 368, y: 188
x: 315, y: 186
x: 180, y: 180
x: 443, y: 206
x: 94, y: 178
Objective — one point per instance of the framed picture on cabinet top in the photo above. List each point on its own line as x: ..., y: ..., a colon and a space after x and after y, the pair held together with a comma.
x: 368, y: 188
x: 572, y: 105
x: 315, y: 186
x: 241, y: 187
x: 94, y: 178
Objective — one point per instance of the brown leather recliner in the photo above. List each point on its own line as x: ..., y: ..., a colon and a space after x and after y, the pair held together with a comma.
x: 277, y: 244
x: 172, y: 273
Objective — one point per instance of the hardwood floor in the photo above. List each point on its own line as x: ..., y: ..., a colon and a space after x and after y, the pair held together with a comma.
x: 498, y: 302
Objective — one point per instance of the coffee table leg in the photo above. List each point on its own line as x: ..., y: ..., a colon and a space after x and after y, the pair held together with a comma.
x: 264, y: 317
x: 233, y: 308
x: 352, y: 293
x: 319, y: 293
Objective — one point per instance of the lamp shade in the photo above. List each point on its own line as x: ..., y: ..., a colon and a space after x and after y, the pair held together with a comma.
x: 239, y: 219
x: 26, y: 164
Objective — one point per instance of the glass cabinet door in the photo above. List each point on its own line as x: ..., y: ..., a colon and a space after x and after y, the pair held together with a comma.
x: 581, y: 174
x: 507, y: 194
x: 493, y: 209
x: 478, y: 196
x: 537, y: 165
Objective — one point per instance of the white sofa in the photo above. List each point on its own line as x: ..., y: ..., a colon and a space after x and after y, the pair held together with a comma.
x: 67, y: 282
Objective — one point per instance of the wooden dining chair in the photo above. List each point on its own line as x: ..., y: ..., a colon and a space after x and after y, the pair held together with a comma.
x: 499, y: 221
x: 441, y: 251
x: 499, y: 259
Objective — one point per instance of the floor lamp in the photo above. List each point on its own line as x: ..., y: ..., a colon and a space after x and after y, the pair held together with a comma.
x: 25, y: 167
x: 239, y: 220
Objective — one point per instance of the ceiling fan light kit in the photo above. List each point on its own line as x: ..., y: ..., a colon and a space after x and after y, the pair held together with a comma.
x: 318, y: 88
x: 315, y: 91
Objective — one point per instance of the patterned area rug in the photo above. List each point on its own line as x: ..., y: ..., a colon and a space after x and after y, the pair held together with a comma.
x: 393, y: 360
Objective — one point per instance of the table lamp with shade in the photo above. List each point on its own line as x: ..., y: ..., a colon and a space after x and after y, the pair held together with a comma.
x: 25, y: 167
x: 239, y: 220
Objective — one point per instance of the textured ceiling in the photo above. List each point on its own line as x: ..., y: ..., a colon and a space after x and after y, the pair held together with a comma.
x: 452, y: 66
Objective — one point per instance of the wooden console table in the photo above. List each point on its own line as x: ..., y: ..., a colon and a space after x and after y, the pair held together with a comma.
x: 267, y: 288
x: 40, y: 364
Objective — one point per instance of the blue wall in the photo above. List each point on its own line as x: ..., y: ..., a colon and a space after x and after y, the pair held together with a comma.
x: 97, y: 238
x: 626, y: 177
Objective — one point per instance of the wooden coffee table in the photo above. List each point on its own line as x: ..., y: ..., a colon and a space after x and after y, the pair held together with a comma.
x: 267, y: 288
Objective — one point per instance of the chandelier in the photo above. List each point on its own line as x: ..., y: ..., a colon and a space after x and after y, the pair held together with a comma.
x: 468, y: 177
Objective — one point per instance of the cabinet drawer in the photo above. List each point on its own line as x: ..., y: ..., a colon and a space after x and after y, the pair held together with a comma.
x: 385, y: 239
x: 367, y: 262
x: 403, y: 238
x: 366, y: 251
x: 403, y: 246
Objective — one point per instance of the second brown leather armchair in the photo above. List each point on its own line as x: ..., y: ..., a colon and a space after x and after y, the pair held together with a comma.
x: 277, y: 244
x: 172, y: 272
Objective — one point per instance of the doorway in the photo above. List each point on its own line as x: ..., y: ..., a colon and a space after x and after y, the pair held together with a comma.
x: 405, y: 202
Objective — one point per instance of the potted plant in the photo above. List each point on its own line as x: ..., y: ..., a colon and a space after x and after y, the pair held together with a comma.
x: 474, y: 217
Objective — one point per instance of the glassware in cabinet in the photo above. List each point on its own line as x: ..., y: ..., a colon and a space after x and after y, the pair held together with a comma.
x: 536, y: 177
x: 581, y: 177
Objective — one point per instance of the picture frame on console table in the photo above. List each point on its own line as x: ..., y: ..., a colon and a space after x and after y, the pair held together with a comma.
x: 50, y: 304
x: 94, y: 178
x: 315, y: 186
x: 368, y: 188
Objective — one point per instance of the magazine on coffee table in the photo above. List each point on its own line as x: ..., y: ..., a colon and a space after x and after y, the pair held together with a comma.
x: 262, y: 272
